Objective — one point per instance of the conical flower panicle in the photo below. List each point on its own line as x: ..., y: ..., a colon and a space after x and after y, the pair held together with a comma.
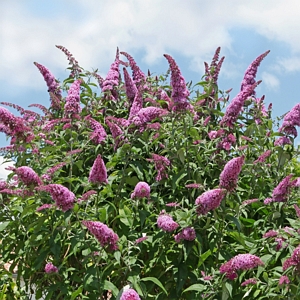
x: 166, y: 222
x: 130, y: 86
x: 98, y: 172
x: 209, y: 200
x: 230, y: 173
x: 63, y: 197
x: 141, y: 190
x: 72, y: 106
x: 28, y: 176
x: 105, y: 235
x: 240, y: 262
x: 250, y: 74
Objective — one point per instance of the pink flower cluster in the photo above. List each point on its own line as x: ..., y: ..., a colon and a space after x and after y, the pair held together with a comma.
x: 141, y: 190
x: 291, y: 119
x: 249, y: 281
x: 166, y: 223
x: 105, y: 235
x: 28, y: 176
x: 130, y: 294
x: 250, y: 74
x: 282, y: 190
x: 230, y: 173
x: 188, y: 234
x: 294, y: 260
x: 240, y: 262
x: 50, y: 268
x: 263, y: 157
x: 209, y: 200
x: 130, y: 87
x: 98, y: 172
x: 63, y: 197
x: 147, y: 114
x: 98, y: 135
x: 161, y: 164
x: 281, y: 141
x: 43, y: 207
x: 72, y: 106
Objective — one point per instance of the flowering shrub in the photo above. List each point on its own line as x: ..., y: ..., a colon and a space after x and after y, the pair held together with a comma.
x: 147, y: 187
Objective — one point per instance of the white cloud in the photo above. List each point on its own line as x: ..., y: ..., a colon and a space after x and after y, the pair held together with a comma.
x: 192, y: 28
x: 3, y: 172
x: 270, y: 80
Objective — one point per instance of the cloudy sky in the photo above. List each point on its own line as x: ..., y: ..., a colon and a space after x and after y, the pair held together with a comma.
x: 188, y: 30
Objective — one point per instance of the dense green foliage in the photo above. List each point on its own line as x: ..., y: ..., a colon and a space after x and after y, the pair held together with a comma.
x: 158, y: 267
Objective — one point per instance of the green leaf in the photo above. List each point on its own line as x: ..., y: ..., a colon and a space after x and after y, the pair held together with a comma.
x: 3, y: 225
x: 110, y: 286
x: 76, y: 293
x: 181, y: 155
x: 195, y: 287
x: 156, y: 281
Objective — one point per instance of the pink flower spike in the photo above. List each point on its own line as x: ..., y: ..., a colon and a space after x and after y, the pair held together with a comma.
x: 297, y: 209
x: 141, y: 190
x: 28, y: 176
x: 44, y: 206
x: 72, y: 106
x: 209, y: 200
x: 230, y: 173
x: 105, y: 235
x: 50, y: 268
x: 130, y: 294
x: 249, y: 281
x: 166, y: 223
x: 282, y: 190
x: 240, y: 262
x: 98, y: 172
x: 284, y: 280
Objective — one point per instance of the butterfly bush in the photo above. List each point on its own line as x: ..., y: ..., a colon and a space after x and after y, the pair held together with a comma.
x: 175, y: 189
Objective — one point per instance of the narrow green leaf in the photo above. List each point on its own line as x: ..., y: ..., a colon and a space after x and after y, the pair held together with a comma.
x: 110, y: 286
x: 3, y: 225
x: 195, y: 287
x: 76, y: 293
x: 156, y: 281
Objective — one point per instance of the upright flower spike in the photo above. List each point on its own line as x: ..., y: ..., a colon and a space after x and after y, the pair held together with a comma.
x: 76, y: 69
x: 147, y: 114
x: 98, y: 135
x: 105, y: 235
x: 116, y: 132
x: 137, y: 75
x: 141, y: 190
x: 263, y: 157
x: 230, y: 173
x: 291, y: 119
x: 240, y: 262
x: 52, y: 85
x: 180, y: 92
x: 137, y: 104
x: 161, y: 163
x: 209, y: 200
x: 250, y: 74
x: 28, y: 176
x: 72, y: 106
x: 130, y: 86
x: 112, y: 78
x: 98, y: 172
x: 63, y: 197
x: 234, y: 108
x: 283, y: 189
x: 166, y: 223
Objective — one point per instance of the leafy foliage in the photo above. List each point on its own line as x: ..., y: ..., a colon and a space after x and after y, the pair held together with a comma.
x: 179, y: 148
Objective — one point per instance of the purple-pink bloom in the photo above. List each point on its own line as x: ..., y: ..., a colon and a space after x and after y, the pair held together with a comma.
x: 297, y: 209
x: 98, y: 135
x: 53, y: 86
x: 141, y: 190
x: 270, y: 233
x: 137, y: 104
x: 188, y: 234
x: 50, y: 268
x: 209, y: 200
x: 282, y: 190
x: 63, y: 197
x: 116, y: 132
x: 72, y: 106
x: 206, y: 277
x: 234, y: 108
x: 250, y: 74
x: 240, y: 262
x: 87, y: 195
x: 98, y: 172
x: 130, y: 294
x: 130, y: 87
x: 291, y: 119
x: 263, y: 157
x: 28, y: 176
x: 194, y: 186
x: 105, y: 235
x: 44, y: 206
x: 141, y: 239
x: 137, y: 75
x: 179, y: 89
x: 161, y: 164
x: 166, y: 223
x: 147, y: 114
x: 249, y: 281
x: 230, y: 173
x: 249, y: 201
x: 284, y: 280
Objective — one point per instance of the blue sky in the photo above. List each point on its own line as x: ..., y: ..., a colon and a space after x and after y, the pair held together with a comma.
x: 188, y: 30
